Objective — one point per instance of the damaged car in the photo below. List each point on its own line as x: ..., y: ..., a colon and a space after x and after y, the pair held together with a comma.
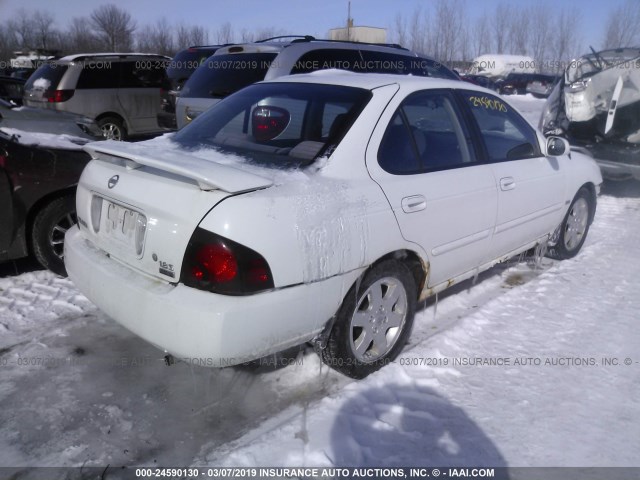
x: 596, y: 106
x: 321, y: 208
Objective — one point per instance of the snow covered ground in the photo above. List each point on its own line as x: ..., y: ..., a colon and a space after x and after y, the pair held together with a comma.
x: 525, y: 368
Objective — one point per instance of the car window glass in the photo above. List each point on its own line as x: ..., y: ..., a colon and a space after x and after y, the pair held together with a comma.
x: 325, y: 58
x: 222, y: 75
x: 425, y: 134
x: 46, y: 77
x: 284, y: 124
x: 99, y: 75
x: 143, y: 74
x: 506, y: 135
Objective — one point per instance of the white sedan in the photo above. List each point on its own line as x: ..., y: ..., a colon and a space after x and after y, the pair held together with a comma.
x: 322, y: 208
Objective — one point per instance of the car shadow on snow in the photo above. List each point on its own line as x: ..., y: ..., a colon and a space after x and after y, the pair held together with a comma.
x: 400, y: 425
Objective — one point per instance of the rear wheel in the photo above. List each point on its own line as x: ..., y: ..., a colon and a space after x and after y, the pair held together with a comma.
x: 47, y: 234
x: 574, y: 228
x: 374, y: 321
x: 112, y: 128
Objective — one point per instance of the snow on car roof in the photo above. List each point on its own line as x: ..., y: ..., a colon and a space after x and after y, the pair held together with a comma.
x: 370, y: 81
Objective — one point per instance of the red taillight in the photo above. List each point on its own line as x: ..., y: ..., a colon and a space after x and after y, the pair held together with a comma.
x: 57, y: 96
x: 215, y: 263
x: 220, y: 265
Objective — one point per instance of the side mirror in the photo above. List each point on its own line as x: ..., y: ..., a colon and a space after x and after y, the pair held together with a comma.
x: 557, y: 146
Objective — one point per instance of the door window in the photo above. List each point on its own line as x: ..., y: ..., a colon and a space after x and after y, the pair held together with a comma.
x: 425, y: 134
x: 506, y: 135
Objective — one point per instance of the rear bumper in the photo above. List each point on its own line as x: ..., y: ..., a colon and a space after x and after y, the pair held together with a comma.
x: 202, y: 327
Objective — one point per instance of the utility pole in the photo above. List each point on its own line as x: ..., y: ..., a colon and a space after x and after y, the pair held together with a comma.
x: 349, y: 21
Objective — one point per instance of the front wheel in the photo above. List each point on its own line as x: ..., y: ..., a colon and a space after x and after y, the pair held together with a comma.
x: 47, y: 234
x: 574, y: 228
x: 374, y: 321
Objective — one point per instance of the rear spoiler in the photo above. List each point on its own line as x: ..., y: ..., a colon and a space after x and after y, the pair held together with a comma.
x: 208, y: 174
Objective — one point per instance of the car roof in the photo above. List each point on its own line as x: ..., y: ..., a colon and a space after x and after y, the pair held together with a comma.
x: 370, y: 81
x: 88, y: 56
x: 309, y: 43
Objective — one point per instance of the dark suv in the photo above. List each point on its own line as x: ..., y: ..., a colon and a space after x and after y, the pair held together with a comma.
x: 179, y: 69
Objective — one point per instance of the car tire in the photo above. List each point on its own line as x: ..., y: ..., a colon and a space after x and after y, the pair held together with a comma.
x: 384, y: 301
x: 573, y: 230
x: 47, y: 234
x: 112, y: 128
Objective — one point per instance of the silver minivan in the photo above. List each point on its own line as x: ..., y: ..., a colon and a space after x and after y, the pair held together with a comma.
x: 121, y: 91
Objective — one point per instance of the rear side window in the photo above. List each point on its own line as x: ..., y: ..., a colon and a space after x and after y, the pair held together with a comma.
x: 46, y: 77
x: 143, y: 74
x: 99, y: 75
x: 425, y: 134
x: 222, y: 75
x: 506, y: 135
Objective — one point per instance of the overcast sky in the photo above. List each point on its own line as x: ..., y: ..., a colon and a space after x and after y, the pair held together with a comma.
x: 299, y: 16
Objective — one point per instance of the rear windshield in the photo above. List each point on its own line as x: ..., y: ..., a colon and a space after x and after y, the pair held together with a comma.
x: 188, y: 60
x: 283, y: 125
x: 46, y: 77
x: 222, y: 75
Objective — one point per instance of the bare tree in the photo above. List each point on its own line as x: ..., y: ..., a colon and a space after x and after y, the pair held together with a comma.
x: 188, y: 35
x: 269, y: 32
x: 502, y: 19
x: 400, y: 30
x: 7, y: 45
x: 114, y: 27
x: 417, y: 30
x: 623, y: 26
x: 22, y: 29
x: 156, y: 38
x: 80, y: 37
x: 45, y: 36
x: 246, y: 36
x: 539, y: 36
x: 447, y: 30
x: 564, y: 40
x: 482, y: 36
x: 225, y: 33
x: 519, y: 31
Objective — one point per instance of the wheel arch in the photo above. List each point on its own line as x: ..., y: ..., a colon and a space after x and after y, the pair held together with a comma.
x: 116, y: 115
x: 37, y: 208
x: 593, y: 198
x: 418, y: 266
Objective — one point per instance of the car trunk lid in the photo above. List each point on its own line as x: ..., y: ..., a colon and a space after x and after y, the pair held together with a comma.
x: 140, y: 205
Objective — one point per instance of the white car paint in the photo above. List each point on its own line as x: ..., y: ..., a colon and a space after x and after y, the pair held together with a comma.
x: 319, y: 228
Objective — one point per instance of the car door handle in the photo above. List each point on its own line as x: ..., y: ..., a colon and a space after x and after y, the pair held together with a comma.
x: 507, y: 183
x: 414, y: 203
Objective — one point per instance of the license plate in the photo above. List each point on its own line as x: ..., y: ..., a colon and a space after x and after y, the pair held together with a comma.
x: 123, y: 226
